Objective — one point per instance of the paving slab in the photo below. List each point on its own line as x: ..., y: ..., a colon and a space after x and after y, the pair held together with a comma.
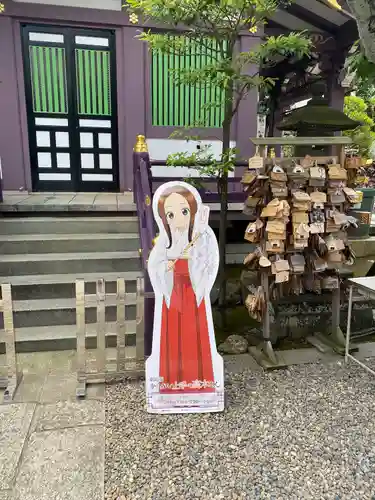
x: 366, y: 350
x: 83, y: 201
x: 15, y: 421
x: 63, y: 202
x: 236, y: 363
x: 44, y: 362
x: 125, y: 201
x: 38, y: 199
x: 105, y: 202
x: 63, y: 362
x: 30, y: 388
x: 34, y: 202
x: 65, y: 414
x: 6, y: 495
x: 95, y: 391
x: 59, y: 387
x: 35, y: 363
x: 62, y: 387
x: 305, y: 356
x: 59, y: 200
x: 63, y: 464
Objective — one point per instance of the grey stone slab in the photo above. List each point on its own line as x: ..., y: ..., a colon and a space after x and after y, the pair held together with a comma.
x: 36, y: 199
x: 82, y: 200
x: 95, y: 391
x: 63, y: 362
x: 8, y: 208
x: 63, y: 202
x: 106, y: 199
x: 35, y: 363
x: 125, y: 202
x: 59, y: 387
x: 306, y: 356
x: 104, y: 208
x: 236, y: 363
x: 6, y: 495
x: 65, y: 464
x: 13, y: 199
x: 30, y: 388
x: 60, y: 200
x: 126, y: 197
x: 68, y: 414
x: 300, y: 356
x: 15, y: 420
x: 366, y: 350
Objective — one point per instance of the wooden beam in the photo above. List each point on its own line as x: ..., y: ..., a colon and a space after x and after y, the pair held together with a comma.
x: 312, y: 18
x: 347, y: 34
x: 301, y: 141
x: 289, y: 21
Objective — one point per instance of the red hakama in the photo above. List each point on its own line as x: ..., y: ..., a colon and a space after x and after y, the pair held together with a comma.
x: 185, y: 352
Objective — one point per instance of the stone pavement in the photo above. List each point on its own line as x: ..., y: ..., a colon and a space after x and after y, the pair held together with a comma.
x: 51, y: 445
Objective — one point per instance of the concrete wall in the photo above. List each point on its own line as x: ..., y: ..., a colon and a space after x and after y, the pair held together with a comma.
x: 133, y: 81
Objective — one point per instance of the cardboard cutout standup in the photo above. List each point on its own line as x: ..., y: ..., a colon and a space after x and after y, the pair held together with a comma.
x: 184, y: 373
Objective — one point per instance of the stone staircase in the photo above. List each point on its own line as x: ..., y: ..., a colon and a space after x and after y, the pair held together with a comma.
x: 43, y: 256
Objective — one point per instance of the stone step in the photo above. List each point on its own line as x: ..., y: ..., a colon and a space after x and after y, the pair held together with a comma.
x: 60, y: 279
x: 59, y: 243
x: 64, y: 337
x: 69, y: 263
x: 68, y: 303
x: 69, y: 225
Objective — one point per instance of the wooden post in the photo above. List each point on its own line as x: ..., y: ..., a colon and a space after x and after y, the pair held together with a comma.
x: 140, y: 328
x: 81, y: 338
x: 103, y: 372
x: 100, y: 318
x: 341, y: 155
x: 335, y: 310
x: 121, y: 324
x: 12, y: 378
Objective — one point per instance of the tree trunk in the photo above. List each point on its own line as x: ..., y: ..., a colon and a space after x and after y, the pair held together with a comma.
x: 223, y: 190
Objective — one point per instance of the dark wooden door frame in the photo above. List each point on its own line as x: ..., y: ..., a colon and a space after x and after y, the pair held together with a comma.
x: 75, y: 184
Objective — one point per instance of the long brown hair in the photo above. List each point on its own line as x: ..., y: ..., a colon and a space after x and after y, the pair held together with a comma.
x: 189, y: 197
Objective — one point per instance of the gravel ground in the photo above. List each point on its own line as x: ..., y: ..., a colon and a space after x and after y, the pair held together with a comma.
x: 305, y: 433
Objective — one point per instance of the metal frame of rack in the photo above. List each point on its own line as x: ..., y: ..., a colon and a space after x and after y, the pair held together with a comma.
x: 367, y: 286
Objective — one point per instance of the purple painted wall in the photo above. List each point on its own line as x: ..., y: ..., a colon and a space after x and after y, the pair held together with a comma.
x: 11, y: 144
x: 134, y: 96
x: 132, y: 85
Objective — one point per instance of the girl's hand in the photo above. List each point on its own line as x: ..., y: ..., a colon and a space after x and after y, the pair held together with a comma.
x: 170, y: 265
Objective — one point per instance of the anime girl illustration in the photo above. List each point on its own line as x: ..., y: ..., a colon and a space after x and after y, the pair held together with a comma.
x: 184, y: 372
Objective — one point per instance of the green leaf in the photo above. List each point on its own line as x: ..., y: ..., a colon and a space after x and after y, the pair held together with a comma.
x: 363, y: 136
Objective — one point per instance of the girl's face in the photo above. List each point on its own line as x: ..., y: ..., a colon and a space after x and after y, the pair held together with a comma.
x: 177, y: 212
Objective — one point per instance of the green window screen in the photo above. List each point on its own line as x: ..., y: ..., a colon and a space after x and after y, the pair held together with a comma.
x: 177, y: 105
x: 48, y: 79
x: 93, y: 82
